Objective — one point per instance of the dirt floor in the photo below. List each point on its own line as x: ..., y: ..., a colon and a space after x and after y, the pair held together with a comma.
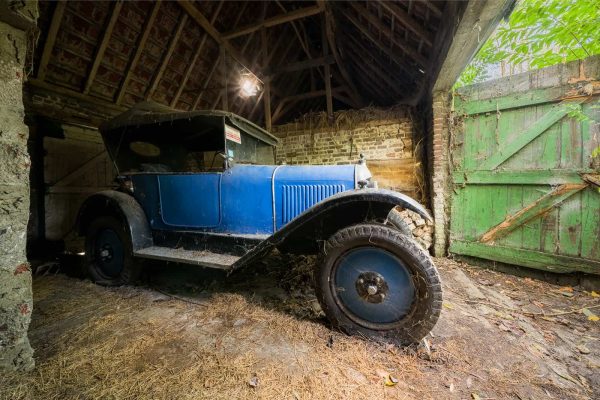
x: 192, y: 334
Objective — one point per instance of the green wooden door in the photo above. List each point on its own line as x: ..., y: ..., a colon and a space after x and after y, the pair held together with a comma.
x: 523, y: 178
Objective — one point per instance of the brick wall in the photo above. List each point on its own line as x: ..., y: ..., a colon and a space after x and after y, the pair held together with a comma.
x: 389, y: 140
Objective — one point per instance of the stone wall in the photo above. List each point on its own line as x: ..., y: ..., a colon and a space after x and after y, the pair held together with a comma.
x: 15, y: 275
x: 389, y: 140
x: 440, y: 170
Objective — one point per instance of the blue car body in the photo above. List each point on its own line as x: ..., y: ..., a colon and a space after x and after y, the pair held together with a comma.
x: 207, y: 181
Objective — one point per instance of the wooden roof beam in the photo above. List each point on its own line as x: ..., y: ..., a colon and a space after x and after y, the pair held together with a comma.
x: 405, y: 19
x: 372, y: 19
x: 433, y: 8
x: 141, y: 44
x: 276, y: 20
x: 305, y: 64
x: 59, y: 11
x: 116, y: 9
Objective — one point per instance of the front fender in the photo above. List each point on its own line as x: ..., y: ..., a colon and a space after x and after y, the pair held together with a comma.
x: 121, y: 206
x: 317, y: 223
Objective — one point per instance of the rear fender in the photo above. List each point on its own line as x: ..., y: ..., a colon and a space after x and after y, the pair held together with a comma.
x: 122, y: 206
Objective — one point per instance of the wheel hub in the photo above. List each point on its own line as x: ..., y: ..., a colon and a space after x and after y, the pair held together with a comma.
x: 372, y: 287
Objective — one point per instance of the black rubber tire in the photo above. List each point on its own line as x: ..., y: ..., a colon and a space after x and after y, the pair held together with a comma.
x: 394, y: 219
x: 425, y: 309
x: 130, y: 272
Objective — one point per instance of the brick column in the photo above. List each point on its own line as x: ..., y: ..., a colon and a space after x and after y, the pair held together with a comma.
x: 440, y: 173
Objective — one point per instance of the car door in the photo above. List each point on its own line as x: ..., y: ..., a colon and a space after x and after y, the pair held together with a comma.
x: 190, y: 200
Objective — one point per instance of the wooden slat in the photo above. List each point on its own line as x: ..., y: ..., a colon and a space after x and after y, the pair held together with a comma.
x: 167, y: 58
x: 140, y: 45
x: 540, y: 126
x: 405, y: 19
x: 533, y: 177
x: 102, y: 47
x: 552, y: 94
x: 51, y: 38
x: 194, y: 59
x: 532, y: 211
x: 274, y: 21
x: 206, y: 82
x: 527, y: 258
x: 267, y: 83
x: 372, y: 19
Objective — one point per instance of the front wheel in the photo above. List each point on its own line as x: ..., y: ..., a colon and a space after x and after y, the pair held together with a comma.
x: 108, y: 253
x: 376, y: 282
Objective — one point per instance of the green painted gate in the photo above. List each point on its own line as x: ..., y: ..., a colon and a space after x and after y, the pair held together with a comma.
x: 525, y: 183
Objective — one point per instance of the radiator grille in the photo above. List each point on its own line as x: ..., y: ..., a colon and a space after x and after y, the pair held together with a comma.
x: 297, y: 198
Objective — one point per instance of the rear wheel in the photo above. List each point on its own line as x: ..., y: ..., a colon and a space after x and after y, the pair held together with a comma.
x: 108, y: 253
x: 374, y: 281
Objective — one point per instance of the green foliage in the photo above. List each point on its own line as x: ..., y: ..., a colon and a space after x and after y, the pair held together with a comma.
x: 540, y: 33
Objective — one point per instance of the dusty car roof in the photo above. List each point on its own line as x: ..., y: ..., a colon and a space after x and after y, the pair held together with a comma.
x: 152, y: 113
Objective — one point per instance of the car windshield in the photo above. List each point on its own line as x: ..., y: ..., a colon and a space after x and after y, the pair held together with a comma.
x: 245, y: 149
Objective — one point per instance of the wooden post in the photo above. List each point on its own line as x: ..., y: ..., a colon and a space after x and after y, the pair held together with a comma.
x: 328, y: 96
x: 267, y: 88
x: 224, y: 77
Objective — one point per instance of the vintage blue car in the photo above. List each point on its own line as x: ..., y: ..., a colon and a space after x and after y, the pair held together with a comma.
x: 202, y: 188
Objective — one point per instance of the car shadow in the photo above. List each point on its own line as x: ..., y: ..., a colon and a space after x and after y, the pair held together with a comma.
x: 279, y: 282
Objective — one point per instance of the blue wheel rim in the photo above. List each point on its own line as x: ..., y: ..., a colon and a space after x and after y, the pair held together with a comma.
x: 373, y: 286
x: 108, y: 252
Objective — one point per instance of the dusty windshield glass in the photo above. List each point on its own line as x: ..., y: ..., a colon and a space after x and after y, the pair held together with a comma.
x: 246, y: 149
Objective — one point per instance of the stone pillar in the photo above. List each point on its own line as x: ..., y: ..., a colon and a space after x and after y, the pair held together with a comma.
x: 440, y: 172
x: 15, y: 275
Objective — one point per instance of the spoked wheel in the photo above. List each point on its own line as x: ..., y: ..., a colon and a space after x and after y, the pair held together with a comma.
x: 108, y: 253
x: 377, y: 282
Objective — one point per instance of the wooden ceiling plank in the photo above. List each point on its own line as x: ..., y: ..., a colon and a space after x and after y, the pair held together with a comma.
x: 167, y: 58
x: 57, y: 17
x: 116, y: 9
x: 411, y: 52
x: 192, y: 63
x: 274, y: 21
x: 405, y: 19
x: 141, y: 44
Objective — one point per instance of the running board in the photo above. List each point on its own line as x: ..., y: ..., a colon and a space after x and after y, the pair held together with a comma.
x: 195, y: 257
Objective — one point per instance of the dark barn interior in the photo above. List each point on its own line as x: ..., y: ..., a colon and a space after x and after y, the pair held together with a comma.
x: 336, y: 83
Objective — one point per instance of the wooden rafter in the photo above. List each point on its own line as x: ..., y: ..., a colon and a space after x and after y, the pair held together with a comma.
x: 369, y: 35
x: 194, y: 59
x: 267, y: 87
x: 276, y: 20
x: 328, y: 96
x: 140, y: 45
x: 116, y: 9
x: 341, y: 64
x: 407, y: 21
x: 433, y: 8
x: 207, y: 80
x: 167, y: 58
x: 201, y: 20
x: 59, y: 11
x: 306, y: 64
x: 373, y: 20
